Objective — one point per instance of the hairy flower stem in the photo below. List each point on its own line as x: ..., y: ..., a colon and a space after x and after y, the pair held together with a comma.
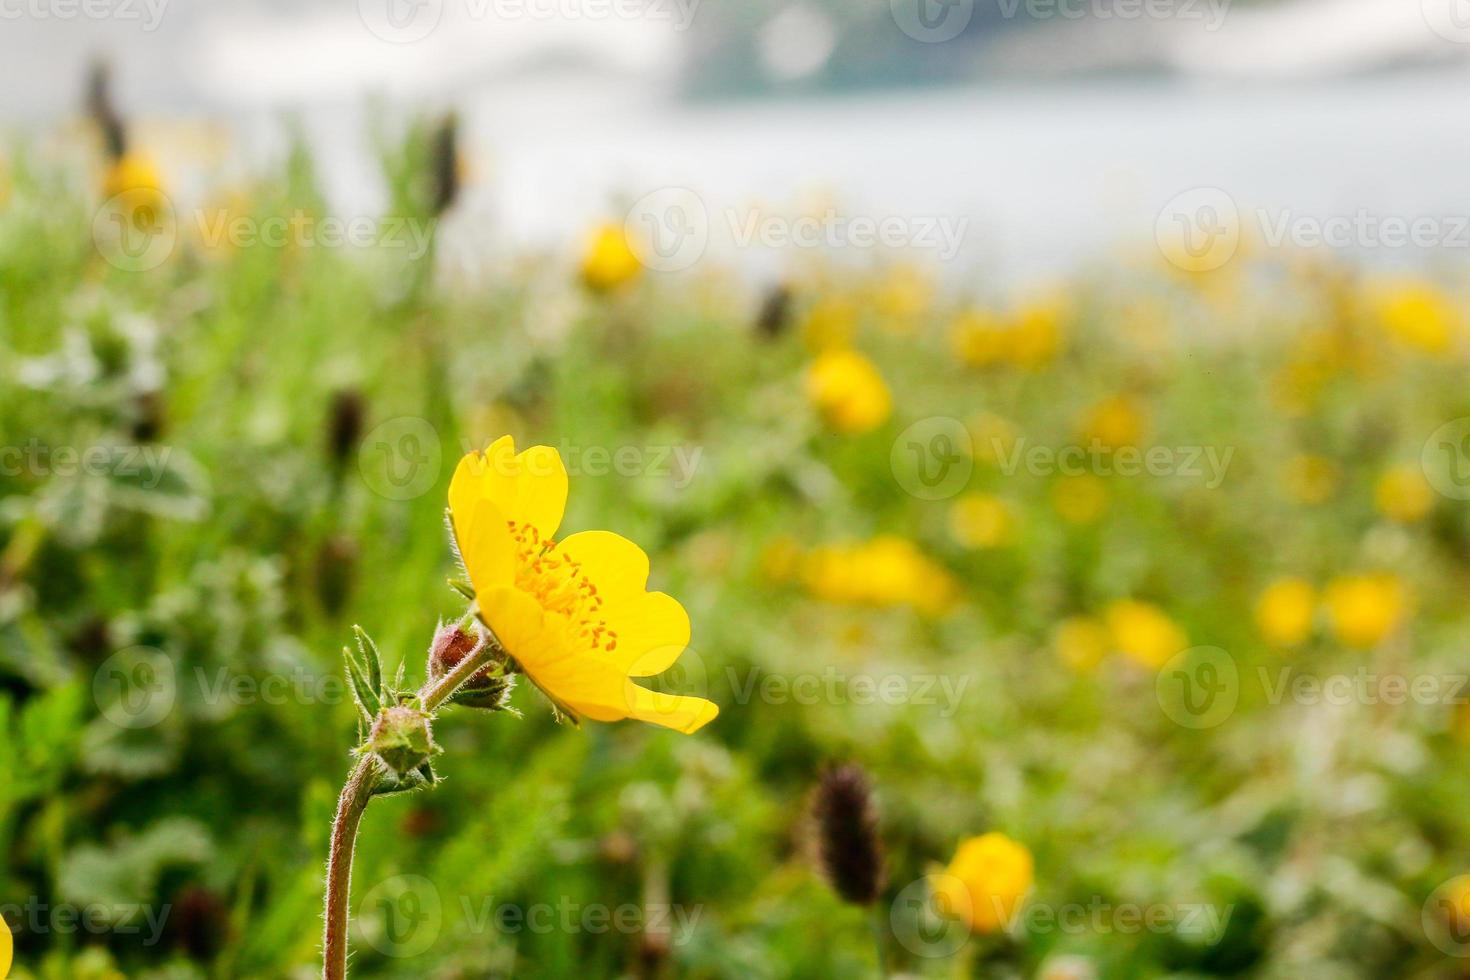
x: 353, y: 802
x: 350, y: 807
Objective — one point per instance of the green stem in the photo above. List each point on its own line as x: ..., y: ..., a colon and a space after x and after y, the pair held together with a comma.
x: 353, y: 802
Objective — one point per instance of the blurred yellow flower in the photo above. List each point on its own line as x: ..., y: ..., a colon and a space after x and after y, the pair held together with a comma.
x: 1285, y: 611
x: 1419, y: 315
x: 1081, y: 642
x: 1310, y: 479
x: 1029, y: 338
x: 901, y: 296
x: 609, y: 260
x: 981, y: 520
x: 886, y: 571
x: 1037, y: 334
x: 979, y: 338
x: 830, y: 322
x: 985, y: 882
x: 1143, y: 632
x: 848, y: 391
x: 1363, y: 609
x: 574, y: 614
x: 131, y: 172
x: 1080, y: 499
x: 780, y: 559
x: 1403, y: 494
x: 1115, y: 422
x: 994, y: 437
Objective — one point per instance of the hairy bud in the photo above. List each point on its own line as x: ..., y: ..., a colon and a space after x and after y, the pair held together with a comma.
x: 400, y: 736
x: 487, y: 687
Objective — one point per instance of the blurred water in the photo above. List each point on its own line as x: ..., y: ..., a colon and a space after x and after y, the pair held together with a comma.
x: 1030, y: 179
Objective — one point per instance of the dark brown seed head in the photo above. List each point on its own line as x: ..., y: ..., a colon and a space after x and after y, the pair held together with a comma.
x: 344, y: 425
x: 847, y: 834
x: 444, y: 159
x: 775, y: 312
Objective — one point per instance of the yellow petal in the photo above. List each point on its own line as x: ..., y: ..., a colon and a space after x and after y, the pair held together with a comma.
x: 529, y: 488
x: 617, y: 566
x: 525, y: 631
x: 679, y: 712
x: 485, y: 545
x: 652, y: 630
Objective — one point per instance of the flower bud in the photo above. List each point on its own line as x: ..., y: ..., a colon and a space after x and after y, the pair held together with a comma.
x: 400, y: 736
x: 487, y: 687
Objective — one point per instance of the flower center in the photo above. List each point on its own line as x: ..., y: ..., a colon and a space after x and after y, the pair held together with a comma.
x: 561, y: 587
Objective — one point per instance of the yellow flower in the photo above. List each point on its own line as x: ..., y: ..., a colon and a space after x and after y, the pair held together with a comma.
x: 1037, y: 335
x: 1403, y: 494
x: 1363, y: 609
x: 574, y: 614
x: 994, y: 437
x: 979, y: 338
x: 1080, y: 499
x: 981, y: 520
x: 830, y: 322
x: 985, y: 882
x: 1311, y: 479
x: 131, y: 172
x: 7, y: 947
x: 1081, y: 642
x: 886, y: 571
x: 903, y: 295
x: 848, y: 390
x: 780, y: 559
x: 1143, y: 632
x: 1115, y: 422
x: 1419, y: 315
x: 609, y: 261
x: 1285, y: 610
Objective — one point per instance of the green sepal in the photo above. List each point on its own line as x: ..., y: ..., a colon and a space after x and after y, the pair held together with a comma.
x: 391, y: 785
x: 463, y: 587
x: 374, y: 661
x: 363, y: 693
